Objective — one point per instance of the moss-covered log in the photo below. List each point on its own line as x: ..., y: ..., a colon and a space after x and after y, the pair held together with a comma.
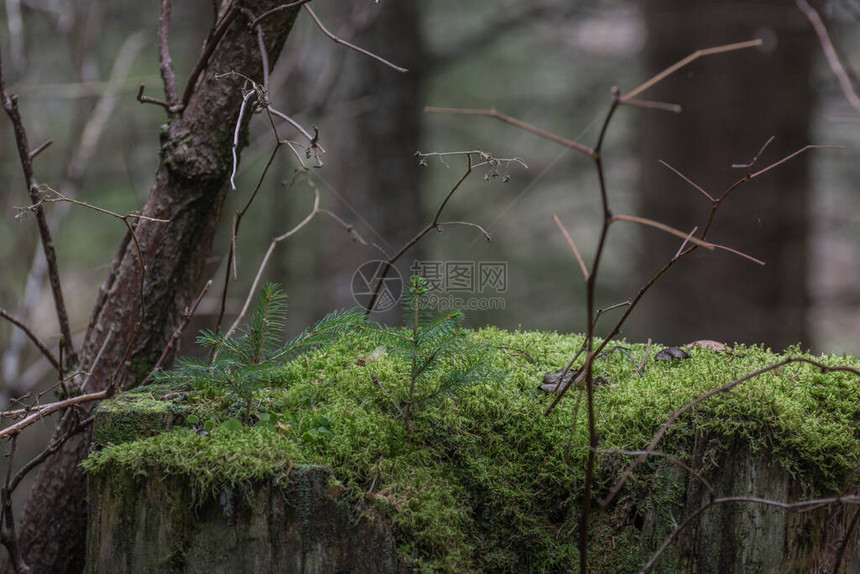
x: 481, y: 481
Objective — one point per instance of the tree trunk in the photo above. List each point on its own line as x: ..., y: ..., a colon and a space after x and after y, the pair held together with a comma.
x: 377, y: 173
x: 732, y: 104
x: 128, y: 332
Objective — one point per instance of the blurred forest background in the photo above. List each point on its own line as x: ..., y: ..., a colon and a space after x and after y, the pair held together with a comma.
x: 77, y: 66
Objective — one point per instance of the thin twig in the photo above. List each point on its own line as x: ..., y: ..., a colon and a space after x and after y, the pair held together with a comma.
x: 45, y: 410
x: 572, y: 245
x: 10, y: 105
x: 756, y: 157
x: 98, y: 358
x: 841, y: 69
x: 40, y: 149
x: 515, y: 122
x: 590, y: 354
x: 148, y: 100
x: 315, y: 147
x: 389, y: 397
x: 751, y: 176
x: 685, y: 236
x: 295, y: 124
x: 664, y: 227
x: 644, y: 357
x: 268, y: 13
x: 599, y: 312
x: 49, y: 450
x: 264, y: 60
x: 165, y: 64
x: 689, y: 59
x: 235, y: 146
x: 234, y: 233
x: 684, y: 243
x: 791, y: 156
x: 434, y: 224
x: 337, y: 40
x: 739, y: 253
x: 177, y: 333
x: 483, y: 231
x: 7, y: 524
x: 36, y: 341
x: 258, y: 277
x: 59, y: 197
x: 218, y: 31
x: 687, y: 179
x: 663, y: 106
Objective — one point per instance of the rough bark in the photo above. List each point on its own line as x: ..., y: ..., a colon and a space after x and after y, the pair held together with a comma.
x: 732, y: 104
x: 189, y: 190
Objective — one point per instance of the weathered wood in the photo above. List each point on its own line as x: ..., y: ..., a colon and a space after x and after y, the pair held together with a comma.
x: 153, y: 524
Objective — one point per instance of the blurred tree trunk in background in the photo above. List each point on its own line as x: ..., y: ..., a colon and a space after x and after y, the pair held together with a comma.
x: 370, y: 154
x: 125, y: 338
x: 732, y: 104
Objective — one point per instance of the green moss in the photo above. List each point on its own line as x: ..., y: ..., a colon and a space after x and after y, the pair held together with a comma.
x: 132, y: 416
x: 483, y: 482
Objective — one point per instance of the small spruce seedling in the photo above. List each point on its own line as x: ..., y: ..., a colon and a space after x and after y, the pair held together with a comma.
x: 241, y: 363
x: 440, y: 356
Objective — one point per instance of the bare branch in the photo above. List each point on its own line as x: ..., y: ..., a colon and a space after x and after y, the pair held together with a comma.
x: 684, y: 243
x: 45, y: 410
x: 337, y: 40
x: 483, y: 231
x: 791, y: 156
x: 689, y: 59
x: 148, y: 100
x: 736, y: 252
x: 756, y: 157
x: 177, y: 333
x: 647, y: 104
x: 313, y: 140
x: 60, y: 198
x: 257, y: 278
x: 644, y: 357
x: 40, y: 149
x: 7, y: 522
x: 10, y: 105
x: 268, y: 13
x: 235, y: 146
x: 572, y: 245
x: 663, y: 227
x: 598, y: 313
x: 165, y: 64
x: 264, y: 57
x: 51, y: 449
x: 687, y: 179
x: 39, y: 344
x: 515, y: 122
x: 218, y: 31
x: 841, y: 69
